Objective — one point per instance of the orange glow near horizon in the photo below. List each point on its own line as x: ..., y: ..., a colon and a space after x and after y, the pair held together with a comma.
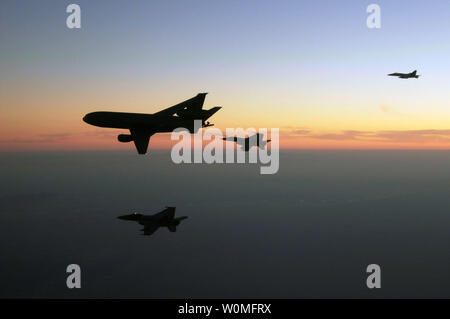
x: 106, y: 139
x: 27, y: 125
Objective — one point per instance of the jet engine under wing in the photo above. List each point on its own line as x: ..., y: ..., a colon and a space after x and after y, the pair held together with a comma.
x: 195, y: 103
x: 141, y: 137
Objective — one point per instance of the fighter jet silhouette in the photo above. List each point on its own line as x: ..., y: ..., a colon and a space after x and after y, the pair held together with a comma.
x: 247, y: 143
x: 406, y: 75
x: 151, y: 223
x: 143, y: 126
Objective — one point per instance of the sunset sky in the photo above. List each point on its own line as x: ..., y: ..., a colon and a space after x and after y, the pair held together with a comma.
x: 310, y: 68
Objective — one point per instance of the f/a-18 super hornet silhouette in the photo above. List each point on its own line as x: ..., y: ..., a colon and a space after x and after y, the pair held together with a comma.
x: 413, y: 74
x: 143, y: 126
x: 248, y: 142
x: 151, y: 223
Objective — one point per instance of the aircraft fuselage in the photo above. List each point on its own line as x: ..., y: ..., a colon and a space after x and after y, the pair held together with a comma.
x: 122, y: 120
x: 412, y: 75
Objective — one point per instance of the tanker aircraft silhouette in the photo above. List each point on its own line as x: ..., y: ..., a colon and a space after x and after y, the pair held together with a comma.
x: 406, y: 75
x: 247, y: 143
x: 151, y: 223
x: 143, y: 126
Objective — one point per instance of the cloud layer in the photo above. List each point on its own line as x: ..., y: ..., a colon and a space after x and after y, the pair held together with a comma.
x: 390, y: 136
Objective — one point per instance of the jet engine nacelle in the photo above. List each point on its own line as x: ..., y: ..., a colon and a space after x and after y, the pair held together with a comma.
x: 125, y: 138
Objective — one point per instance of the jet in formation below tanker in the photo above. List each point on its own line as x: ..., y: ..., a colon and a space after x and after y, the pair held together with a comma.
x: 248, y: 142
x: 143, y: 126
x: 152, y: 223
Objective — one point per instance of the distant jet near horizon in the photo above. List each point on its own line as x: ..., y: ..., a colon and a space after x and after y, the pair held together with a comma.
x: 143, y: 126
x: 152, y: 223
x: 247, y: 143
x: 413, y: 74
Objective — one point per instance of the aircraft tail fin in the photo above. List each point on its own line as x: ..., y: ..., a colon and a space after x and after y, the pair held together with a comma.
x: 170, y: 211
x: 212, y: 111
x: 176, y: 221
x: 206, y: 114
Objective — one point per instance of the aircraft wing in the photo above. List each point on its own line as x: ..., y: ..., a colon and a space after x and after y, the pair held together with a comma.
x: 150, y: 228
x: 195, y: 103
x: 141, y: 137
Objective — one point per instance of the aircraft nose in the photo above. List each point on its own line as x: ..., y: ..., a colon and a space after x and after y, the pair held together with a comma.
x: 89, y: 118
x: 86, y: 118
